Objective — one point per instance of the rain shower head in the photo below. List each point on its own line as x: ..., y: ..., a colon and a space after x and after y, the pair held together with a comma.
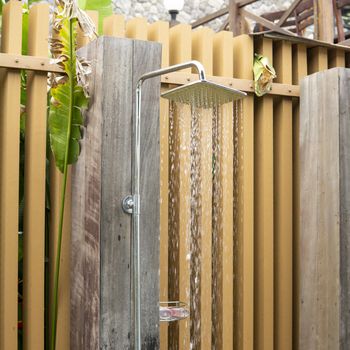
x: 203, y: 94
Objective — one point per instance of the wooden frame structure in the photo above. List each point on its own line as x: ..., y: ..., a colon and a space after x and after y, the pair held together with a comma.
x: 293, y: 21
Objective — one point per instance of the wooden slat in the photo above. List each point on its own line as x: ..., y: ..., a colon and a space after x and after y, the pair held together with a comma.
x: 317, y: 59
x: 202, y: 50
x: 180, y: 51
x: 299, y: 72
x: 247, y: 85
x: 159, y: 31
x: 29, y: 63
x: 223, y: 253
x: 11, y: 42
x: 82, y: 39
x: 336, y: 58
x: 136, y: 28
x: 243, y: 50
x: 283, y: 186
x: 114, y: 26
x: 263, y: 215
x: 35, y: 185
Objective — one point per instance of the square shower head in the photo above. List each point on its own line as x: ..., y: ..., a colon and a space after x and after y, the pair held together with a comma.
x: 203, y: 94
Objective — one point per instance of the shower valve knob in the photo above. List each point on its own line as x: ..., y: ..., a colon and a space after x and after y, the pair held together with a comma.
x: 128, y: 204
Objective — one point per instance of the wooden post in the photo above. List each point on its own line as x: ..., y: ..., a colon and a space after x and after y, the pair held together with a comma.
x: 324, y: 20
x: 101, y: 232
x: 35, y: 185
x: 325, y: 207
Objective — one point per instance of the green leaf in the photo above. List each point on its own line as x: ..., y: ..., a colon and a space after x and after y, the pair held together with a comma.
x: 104, y: 8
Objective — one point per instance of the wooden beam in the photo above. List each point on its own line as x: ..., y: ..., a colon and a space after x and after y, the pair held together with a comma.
x: 234, y: 17
x: 41, y: 64
x: 288, y: 12
x: 246, y: 85
x: 266, y: 23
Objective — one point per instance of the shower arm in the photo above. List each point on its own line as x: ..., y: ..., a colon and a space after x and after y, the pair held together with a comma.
x: 131, y: 203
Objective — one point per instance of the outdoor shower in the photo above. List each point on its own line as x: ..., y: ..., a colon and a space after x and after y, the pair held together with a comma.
x: 199, y: 94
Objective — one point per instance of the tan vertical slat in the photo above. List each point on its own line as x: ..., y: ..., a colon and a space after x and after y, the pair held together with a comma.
x: 11, y: 42
x: 336, y: 58
x: 159, y: 31
x: 34, y: 185
x: 180, y: 51
x: 114, y: 26
x: 223, y: 66
x: 317, y: 59
x: 283, y: 200
x: 243, y: 51
x: 299, y: 72
x: 136, y: 28
x: 82, y: 39
x: 202, y: 50
x: 263, y: 214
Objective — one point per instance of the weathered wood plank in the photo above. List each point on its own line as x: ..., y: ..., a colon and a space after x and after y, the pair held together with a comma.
x: 147, y: 57
x: 101, y: 242
x: 325, y: 203
x: 344, y: 127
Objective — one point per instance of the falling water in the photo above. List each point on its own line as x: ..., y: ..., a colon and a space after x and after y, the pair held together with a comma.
x: 194, y: 230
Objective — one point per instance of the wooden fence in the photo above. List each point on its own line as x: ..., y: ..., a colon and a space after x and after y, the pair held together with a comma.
x: 256, y: 308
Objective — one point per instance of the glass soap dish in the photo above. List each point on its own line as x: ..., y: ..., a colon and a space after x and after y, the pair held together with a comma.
x: 170, y: 311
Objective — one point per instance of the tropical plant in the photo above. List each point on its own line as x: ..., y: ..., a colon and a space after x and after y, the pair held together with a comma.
x: 69, y: 97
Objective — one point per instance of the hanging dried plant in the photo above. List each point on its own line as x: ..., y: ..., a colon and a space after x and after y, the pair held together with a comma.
x: 69, y: 98
x: 264, y: 74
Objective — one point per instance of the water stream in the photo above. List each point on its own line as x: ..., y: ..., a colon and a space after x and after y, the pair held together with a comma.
x: 182, y: 152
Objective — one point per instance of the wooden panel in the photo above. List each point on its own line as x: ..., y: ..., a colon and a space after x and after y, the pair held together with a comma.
x: 82, y: 39
x: 319, y: 161
x: 159, y: 31
x: 344, y: 189
x: 105, y: 253
x: 136, y: 28
x: 223, y: 249
x: 146, y: 58
x: 180, y: 51
x: 11, y: 42
x: 336, y: 58
x: 243, y: 51
x: 263, y: 214
x: 114, y: 26
x: 35, y: 185
x: 317, y: 59
x: 86, y: 226
x: 299, y: 72
x: 283, y: 201
x: 202, y: 50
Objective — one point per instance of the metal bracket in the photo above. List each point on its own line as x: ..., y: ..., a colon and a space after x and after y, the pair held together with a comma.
x: 128, y: 204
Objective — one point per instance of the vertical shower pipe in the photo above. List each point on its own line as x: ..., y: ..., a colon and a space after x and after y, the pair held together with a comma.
x: 131, y: 203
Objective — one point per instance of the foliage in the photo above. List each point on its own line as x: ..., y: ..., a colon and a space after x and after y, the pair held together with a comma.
x: 68, y: 99
x: 104, y: 8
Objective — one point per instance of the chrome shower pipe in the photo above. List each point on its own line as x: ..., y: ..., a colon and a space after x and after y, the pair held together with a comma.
x: 131, y: 203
